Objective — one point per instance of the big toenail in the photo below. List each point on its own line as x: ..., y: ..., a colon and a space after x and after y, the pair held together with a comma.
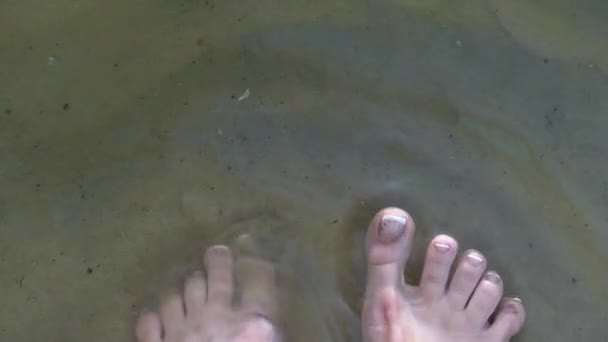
x: 517, y: 299
x: 441, y: 247
x: 391, y: 228
x: 492, y: 277
x: 474, y: 258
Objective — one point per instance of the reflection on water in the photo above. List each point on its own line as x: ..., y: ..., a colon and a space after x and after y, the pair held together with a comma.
x: 125, y: 150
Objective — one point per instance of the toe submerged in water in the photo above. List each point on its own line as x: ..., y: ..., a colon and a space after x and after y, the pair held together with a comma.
x: 206, y: 310
x: 433, y: 311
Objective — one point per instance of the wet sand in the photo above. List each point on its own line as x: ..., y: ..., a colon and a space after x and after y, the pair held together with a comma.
x: 125, y: 151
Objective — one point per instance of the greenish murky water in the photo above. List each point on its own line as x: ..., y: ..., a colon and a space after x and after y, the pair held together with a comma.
x: 124, y: 150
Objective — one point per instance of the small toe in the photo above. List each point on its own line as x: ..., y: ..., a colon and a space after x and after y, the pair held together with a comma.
x: 148, y: 328
x: 220, y: 283
x: 485, y: 299
x: 195, y: 293
x: 508, y: 321
x: 172, y: 313
x: 466, y: 277
x: 439, y: 258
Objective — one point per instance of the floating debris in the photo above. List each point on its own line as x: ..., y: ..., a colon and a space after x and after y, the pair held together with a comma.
x: 52, y: 60
x: 245, y: 95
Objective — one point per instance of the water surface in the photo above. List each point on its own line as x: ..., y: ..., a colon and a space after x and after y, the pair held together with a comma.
x: 125, y: 151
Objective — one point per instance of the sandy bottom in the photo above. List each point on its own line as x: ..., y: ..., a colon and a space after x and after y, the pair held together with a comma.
x: 127, y: 146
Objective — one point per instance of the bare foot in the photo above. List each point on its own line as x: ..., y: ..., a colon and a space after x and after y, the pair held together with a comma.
x: 469, y: 309
x: 206, y: 311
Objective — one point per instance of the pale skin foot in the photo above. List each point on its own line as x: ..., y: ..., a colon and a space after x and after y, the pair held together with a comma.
x: 207, y: 309
x: 468, y: 309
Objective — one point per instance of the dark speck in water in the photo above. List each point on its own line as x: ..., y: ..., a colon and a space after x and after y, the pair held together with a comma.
x: 8, y: 111
x: 573, y: 280
x: 546, y: 60
x: 89, y: 270
x: 548, y: 121
x: 66, y: 106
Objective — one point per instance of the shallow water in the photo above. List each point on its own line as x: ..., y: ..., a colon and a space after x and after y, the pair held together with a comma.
x: 125, y: 150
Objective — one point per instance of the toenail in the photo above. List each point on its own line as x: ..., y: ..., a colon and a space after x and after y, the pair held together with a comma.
x: 391, y: 228
x: 492, y: 277
x: 441, y: 247
x: 517, y: 299
x: 474, y: 258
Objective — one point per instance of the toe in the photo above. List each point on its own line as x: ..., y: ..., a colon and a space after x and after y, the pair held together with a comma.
x: 465, y: 279
x: 148, y: 328
x: 172, y: 314
x: 258, y: 328
x: 389, y: 241
x: 439, y: 258
x: 509, y: 320
x: 388, y: 245
x: 484, y: 300
x: 256, y: 277
x: 195, y: 293
x: 218, y: 263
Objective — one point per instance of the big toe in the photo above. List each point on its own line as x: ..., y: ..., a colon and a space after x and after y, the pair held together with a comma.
x: 388, y: 245
x: 389, y: 242
x: 258, y: 328
x: 257, y: 280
